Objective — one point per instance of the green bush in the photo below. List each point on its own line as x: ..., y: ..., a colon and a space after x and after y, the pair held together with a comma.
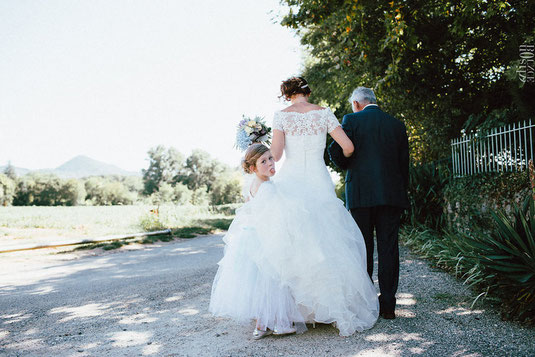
x: 340, y: 189
x: 500, y: 261
x: 507, y: 256
x: 426, y: 185
x: 442, y: 249
x: 151, y: 222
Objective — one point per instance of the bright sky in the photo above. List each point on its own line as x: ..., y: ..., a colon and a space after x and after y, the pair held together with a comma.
x: 110, y: 79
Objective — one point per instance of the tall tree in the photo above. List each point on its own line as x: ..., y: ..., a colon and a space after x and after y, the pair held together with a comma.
x: 9, y: 171
x: 201, y: 170
x: 7, y: 190
x: 432, y: 63
x: 164, y: 166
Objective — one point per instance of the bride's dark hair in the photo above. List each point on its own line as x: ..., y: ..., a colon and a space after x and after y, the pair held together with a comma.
x: 252, y: 154
x: 293, y: 86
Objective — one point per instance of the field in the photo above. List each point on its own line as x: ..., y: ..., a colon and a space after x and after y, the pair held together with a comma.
x: 41, y: 225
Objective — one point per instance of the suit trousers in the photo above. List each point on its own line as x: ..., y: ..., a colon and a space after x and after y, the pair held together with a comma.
x: 386, y: 221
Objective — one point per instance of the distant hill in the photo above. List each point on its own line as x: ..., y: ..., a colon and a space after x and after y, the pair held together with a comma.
x: 80, y: 166
x: 18, y: 170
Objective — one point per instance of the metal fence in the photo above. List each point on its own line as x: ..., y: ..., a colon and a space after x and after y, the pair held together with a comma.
x: 508, y: 148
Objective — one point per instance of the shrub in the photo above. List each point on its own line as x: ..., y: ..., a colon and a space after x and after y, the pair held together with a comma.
x: 426, y: 185
x: 507, y: 255
x: 500, y: 261
x: 151, y: 222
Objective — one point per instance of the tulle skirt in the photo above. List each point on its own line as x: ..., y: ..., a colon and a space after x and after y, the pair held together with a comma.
x: 287, y: 262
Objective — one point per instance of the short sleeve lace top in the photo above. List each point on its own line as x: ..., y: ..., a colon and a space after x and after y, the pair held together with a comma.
x: 314, y: 122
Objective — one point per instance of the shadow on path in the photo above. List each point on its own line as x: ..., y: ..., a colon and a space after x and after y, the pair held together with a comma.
x: 154, y: 301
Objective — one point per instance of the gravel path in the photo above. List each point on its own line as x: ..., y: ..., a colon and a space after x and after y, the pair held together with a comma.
x: 153, y: 300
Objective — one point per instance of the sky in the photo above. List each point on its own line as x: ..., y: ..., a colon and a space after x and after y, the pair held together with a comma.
x: 111, y: 79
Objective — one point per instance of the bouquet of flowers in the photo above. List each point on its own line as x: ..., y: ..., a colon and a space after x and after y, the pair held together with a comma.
x: 252, y: 131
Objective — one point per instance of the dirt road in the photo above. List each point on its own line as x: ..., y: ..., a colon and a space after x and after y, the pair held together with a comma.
x: 152, y: 301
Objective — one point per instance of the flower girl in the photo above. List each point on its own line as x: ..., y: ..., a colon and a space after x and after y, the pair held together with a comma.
x: 245, y: 286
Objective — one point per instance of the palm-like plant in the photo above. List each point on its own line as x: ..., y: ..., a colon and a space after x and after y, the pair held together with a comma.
x: 508, y: 254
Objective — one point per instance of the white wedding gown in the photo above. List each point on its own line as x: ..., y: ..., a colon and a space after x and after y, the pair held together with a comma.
x: 293, y: 253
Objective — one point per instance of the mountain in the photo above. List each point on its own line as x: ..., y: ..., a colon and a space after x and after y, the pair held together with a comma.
x: 80, y: 166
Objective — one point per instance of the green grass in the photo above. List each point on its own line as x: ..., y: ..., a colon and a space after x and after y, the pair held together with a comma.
x: 75, y: 221
x: 445, y: 297
x: 199, y: 227
x: 24, y: 223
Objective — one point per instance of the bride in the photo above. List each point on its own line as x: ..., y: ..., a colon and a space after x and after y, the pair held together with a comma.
x: 294, y: 254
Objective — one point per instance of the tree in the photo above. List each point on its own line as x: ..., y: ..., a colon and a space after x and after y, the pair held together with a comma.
x: 133, y: 183
x: 181, y: 194
x: 71, y: 193
x: 46, y: 189
x: 116, y: 193
x: 9, y: 171
x: 170, y: 179
x: 178, y: 194
x: 201, y: 171
x: 24, y: 193
x: 105, y: 191
x: 165, y: 165
x: 7, y: 190
x: 38, y: 189
x: 200, y: 196
x: 226, y: 189
x: 432, y: 64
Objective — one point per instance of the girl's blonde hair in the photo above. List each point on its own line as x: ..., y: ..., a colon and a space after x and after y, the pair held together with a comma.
x: 252, y: 154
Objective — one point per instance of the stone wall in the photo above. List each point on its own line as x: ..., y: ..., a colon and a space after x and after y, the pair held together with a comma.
x: 469, y: 200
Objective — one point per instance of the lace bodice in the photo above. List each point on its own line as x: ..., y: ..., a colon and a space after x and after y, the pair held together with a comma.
x: 304, y: 172
x: 314, y: 122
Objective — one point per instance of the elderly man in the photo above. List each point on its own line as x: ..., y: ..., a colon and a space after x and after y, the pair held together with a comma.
x: 376, y: 185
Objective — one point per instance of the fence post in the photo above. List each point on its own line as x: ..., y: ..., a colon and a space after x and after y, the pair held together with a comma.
x: 532, y: 177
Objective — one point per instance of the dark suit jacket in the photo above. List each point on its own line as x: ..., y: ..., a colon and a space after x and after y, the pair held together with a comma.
x: 378, y: 171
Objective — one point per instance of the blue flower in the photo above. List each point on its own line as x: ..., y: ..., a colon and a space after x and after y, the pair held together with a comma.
x: 242, y: 140
x: 252, y: 131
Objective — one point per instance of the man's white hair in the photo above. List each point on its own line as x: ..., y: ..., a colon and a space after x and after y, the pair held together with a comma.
x: 363, y: 94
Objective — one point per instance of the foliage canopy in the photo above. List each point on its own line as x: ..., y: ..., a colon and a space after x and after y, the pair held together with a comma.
x: 433, y: 64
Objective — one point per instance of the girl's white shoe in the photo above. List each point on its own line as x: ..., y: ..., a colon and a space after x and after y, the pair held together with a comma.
x: 258, y: 334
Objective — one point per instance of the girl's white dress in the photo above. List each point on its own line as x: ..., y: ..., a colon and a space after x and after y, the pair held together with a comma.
x: 293, y: 253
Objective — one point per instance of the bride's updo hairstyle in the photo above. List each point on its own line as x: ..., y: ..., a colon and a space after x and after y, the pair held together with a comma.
x: 252, y: 154
x: 293, y: 86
